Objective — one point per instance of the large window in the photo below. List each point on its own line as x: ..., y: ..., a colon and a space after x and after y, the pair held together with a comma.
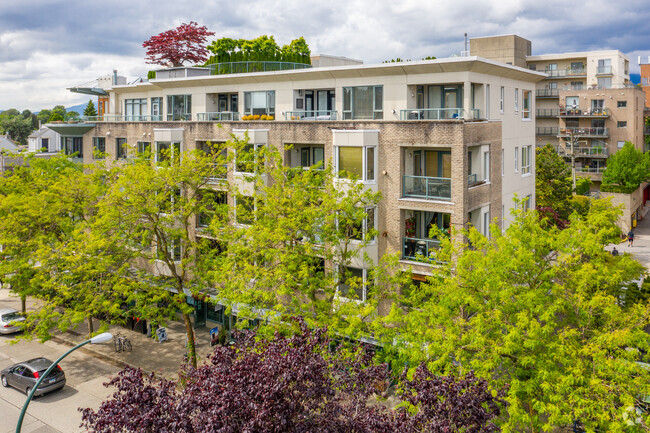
x: 120, y: 148
x: 359, y: 228
x: 258, y: 103
x: 527, y: 99
x: 244, y: 210
x: 144, y: 149
x: 363, y: 102
x: 526, y: 159
x: 156, y: 109
x: 516, y: 100
x: 135, y: 109
x: 213, y: 206
x: 354, y: 283
x: 45, y: 144
x: 250, y: 159
x: 356, y: 162
x: 179, y: 107
x: 99, y: 147
x: 167, y: 152
x: 73, y: 145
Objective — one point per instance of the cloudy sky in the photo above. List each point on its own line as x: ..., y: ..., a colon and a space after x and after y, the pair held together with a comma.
x: 48, y: 45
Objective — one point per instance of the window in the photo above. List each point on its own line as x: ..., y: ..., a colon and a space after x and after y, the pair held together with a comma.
x: 621, y: 124
x: 358, y: 229
x: 527, y: 203
x: 179, y: 107
x: 532, y: 67
x: 244, y: 209
x: 552, y: 67
x: 72, y: 146
x: 354, y: 282
x: 486, y: 165
x: 525, y: 112
x: 597, y: 106
x: 516, y: 100
x: 487, y: 101
x: 604, y: 66
x: 169, y: 200
x: 312, y: 156
x: 156, y: 109
x: 144, y: 149
x: 120, y: 148
x: 99, y: 147
x: 503, y: 91
x: 577, y: 67
x: 357, y: 162
x: 363, y: 102
x: 576, y: 85
x: 175, y: 250
x: 486, y: 224
x: 645, y: 81
x: 620, y: 144
x: 525, y: 159
x: 135, y: 109
x: 258, y: 103
x: 167, y: 152
x: 45, y: 144
x: 621, y: 104
x: 213, y: 205
x: 516, y: 159
x: 250, y: 159
x: 572, y: 102
x: 604, y: 82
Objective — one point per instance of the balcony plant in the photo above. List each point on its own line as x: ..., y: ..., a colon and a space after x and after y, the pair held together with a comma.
x: 409, y: 226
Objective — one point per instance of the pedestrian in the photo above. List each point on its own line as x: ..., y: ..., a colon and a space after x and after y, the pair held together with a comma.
x: 630, y: 238
x: 615, y: 252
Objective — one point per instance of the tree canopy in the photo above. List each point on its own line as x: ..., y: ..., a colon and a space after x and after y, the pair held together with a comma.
x: 295, y: 383
x: 185, y: 43
x: 262, y: 48
x: 628, y: 167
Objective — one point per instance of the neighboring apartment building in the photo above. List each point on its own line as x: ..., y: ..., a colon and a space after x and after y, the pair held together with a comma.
x: 645, y: 78
x: 586, y: 105
x: 448, y: 142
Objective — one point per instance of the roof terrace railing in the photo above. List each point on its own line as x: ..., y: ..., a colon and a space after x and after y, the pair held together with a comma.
x: 248, y: 67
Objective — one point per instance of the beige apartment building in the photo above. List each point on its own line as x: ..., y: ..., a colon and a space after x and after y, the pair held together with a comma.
x: 448, y: 142
x: 586, y: 106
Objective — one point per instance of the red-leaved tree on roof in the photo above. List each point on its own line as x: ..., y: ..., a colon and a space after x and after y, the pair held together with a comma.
x: 185, y: 43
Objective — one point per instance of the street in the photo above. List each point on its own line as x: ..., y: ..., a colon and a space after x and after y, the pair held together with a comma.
x: 57, y: 411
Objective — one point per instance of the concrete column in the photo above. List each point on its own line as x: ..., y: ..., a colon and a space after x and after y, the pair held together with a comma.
x: 467, y: 98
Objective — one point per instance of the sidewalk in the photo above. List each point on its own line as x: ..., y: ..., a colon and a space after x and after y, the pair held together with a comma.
x: 641, y: 248
x: 161, y: 358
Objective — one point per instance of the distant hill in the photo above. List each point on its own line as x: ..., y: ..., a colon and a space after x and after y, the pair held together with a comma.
x: 78, y: 108
x: 635, y: 78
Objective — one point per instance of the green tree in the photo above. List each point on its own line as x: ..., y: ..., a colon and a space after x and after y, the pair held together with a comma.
x: 542, y: 310
x: 55, y: 117
x: 90, y: 110
x: 552, y: 181
x: 628, y: 167
x: 60, y: 109
x: 44, y: 116
x: 71, y: 115
x: 150, y: 210
x: 17, y: 127
x: 11, y: 112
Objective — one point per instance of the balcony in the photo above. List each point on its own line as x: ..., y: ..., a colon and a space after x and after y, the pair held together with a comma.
x: 565, y: 73
x: 584, y: 132
x: 439, y: 114
x: 547, y: 93
x: 472, y: 180
x: 220, y: 116
x: 419, y: 249
x: 584, y: 152
x: 604, y: 70
x: 576, y: 112
x: 546, y: 131
x: 426, y: 188
x: 590, y: 169
x: 547, y: 112
x: 646, y: 130
x: 311, y: 115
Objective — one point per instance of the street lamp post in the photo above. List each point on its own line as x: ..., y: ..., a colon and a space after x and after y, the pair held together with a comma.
x: 101, y: 338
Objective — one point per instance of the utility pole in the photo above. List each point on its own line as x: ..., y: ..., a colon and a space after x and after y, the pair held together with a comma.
x: 573, y: 139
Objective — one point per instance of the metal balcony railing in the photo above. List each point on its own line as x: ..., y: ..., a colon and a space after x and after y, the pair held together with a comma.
x: 591, y: 132
x: 439, y: 114
x: 547, y: 112
x: 220, y: 116
x: 427, y: 188
x: 546, y: 130
x: 596, y: 151
x: 590, y: 112
x: 547, y: 93
x: 311, y: 115
x: 419, y: 249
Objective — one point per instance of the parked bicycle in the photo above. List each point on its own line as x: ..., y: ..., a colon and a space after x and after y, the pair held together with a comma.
x: 122, y: 344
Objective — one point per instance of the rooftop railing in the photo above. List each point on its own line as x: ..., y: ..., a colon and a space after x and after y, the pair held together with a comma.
x: 248, y: 67
x: 311, y: 115
x: 439, y: 114
x: 217, y: 116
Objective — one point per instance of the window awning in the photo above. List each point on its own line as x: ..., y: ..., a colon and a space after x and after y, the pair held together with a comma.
x: 71, y: 129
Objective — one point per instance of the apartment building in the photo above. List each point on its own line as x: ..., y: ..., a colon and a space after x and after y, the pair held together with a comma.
x: 448, y: 142
x: 586, y: 106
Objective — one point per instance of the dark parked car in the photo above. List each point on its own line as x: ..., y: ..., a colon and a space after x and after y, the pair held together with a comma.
x: 24, y: 376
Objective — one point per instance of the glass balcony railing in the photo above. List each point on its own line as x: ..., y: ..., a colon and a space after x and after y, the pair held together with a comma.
x: 596, y: 151
x: 546, y: 130
x: 590, y: 169
x: 248, y: 67
x: 427, y: 188
x: 591, y: 132
x: 569, y: 72
x: 419, y: 249
x: 121, y: 118
x: 604, y: 70
x: 311, y: 115
x: 473, y: 180
x: 547, y: 93
x: 547, y: 112
x: 439, y: 114
x: 220, y: 116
